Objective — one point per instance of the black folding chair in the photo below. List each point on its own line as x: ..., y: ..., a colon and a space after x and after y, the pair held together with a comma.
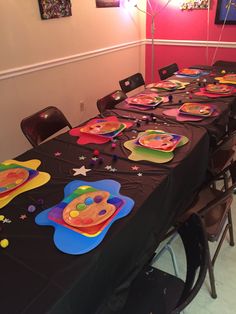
x: 132, y: 82
x: 110, y: 101
x: 43, y: 124
x: 157, y: 292
x: 168, y: 71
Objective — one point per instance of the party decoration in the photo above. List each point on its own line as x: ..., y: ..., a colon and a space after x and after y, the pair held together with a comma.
x: 155, y: 146
x: 99, y: 131
x: 191, y: 73
x: 194, y: 4
x: 167, y: 85
x: 196, y: 109
x: 82, y: 170
x: 227, y: 79
x: 83, y: 218
x: 144, y: 100
x: 210, y: 94
x: 19, y: 176
x: 174, y: 112
x: 218, y: 89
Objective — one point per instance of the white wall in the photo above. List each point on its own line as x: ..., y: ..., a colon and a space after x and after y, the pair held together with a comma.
x: 62, y: 61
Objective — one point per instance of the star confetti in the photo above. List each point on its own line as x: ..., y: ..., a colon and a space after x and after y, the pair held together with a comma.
x: 6, y: 220
x: 139, y: 174
x: 23, y: 217
x: 95, y: 158
x: 82, y: 157
x: 82, y: 170
x: 135, y: 167
x: 108, y: 167
x: 113, y: 169
x: 57, y: 154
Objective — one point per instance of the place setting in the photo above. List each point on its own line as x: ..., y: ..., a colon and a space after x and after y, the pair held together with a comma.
x: 216, y: 91
x: 192, y: 112
x: 100, y: 130
x: 156, y: 146
x: 167, y: 85
x: 145, y: 101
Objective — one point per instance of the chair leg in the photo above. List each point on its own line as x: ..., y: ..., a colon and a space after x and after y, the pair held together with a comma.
x: 211, y: 275
x: 231, y: 233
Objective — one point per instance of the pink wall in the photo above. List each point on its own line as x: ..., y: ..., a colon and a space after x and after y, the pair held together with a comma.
x: 173, y: 24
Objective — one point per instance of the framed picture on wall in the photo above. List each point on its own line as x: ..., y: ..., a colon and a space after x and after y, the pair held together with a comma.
x: 107, y: 3
x: 51, y: 9
x: 226, y: 12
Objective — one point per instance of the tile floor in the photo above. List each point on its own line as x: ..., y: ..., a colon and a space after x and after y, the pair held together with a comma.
x: 225, y: 275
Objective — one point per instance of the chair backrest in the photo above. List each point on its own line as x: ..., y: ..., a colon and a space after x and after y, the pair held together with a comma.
x: 110, y: 101
x: 223, y: 155
x: 168, y: 71
x: 132, y: 82
x: 230, y: 65
x: 194, y: 239
x: 43, y: 124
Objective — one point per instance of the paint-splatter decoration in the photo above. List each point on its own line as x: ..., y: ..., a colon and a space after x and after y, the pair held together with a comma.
x: 82, y: 219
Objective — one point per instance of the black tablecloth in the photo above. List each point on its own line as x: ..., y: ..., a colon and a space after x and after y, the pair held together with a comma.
x: 38, y: 278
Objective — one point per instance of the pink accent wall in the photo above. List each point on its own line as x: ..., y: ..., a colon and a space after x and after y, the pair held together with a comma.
x: 173, y: 24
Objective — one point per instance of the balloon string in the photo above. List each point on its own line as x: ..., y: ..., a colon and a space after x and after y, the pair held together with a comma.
x: 222, y: 29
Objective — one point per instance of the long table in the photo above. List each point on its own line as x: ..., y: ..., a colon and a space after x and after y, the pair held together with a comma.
x: 216, y: 126
x: 38, y: 278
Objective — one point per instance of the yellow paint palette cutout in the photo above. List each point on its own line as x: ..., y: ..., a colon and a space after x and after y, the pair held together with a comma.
x: 12, y: 168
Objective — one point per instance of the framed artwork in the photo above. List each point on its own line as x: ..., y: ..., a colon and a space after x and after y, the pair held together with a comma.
x: 194, y: 4
x: 51, y: 9
x: 107, y: 3
x: 226, y: 9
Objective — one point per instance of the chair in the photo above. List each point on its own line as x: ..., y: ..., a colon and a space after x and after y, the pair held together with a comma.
x: 222, y: 157
x: 43, y: 124
x: 157, y: 292
x: 110, y: 101
x: 227, y: 65
x: 132, y: 82
x: 168, y: 71
x: 214, y: 207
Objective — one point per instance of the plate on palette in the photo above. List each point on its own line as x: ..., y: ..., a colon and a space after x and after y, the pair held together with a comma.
x: 196, y: 109
x: 68, y: 237
x: 230, y: 77
x: 105, y: 129
x: 160, y: 141
x: 101, y: 128
x: 12, y: 178
x: 190, y: 72
x: 144, y: 100
x: 165, y: 85
x: 218, y: 89
x: 90, y: 209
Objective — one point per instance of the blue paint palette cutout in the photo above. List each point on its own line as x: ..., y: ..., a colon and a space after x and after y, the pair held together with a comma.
x: 71, y: 240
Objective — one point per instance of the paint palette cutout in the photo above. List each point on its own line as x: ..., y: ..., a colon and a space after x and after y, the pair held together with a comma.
x: 104, y: 128
x: 78, y: 240
x: 167, y: 85
x: 196, y: 109
x: 147, y: 100
x: 139, y: 152
x: 230, y: 77
x: 19, y: 176
x: 189, y: 72
x: 86, y: 210
x: 89, y: 137
x: 218, y: 89
x: 160, y: 141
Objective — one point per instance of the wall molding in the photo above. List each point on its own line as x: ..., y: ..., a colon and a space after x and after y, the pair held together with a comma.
x: 10, y: 73
x: 14, y: 72
x: 193, y: 43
